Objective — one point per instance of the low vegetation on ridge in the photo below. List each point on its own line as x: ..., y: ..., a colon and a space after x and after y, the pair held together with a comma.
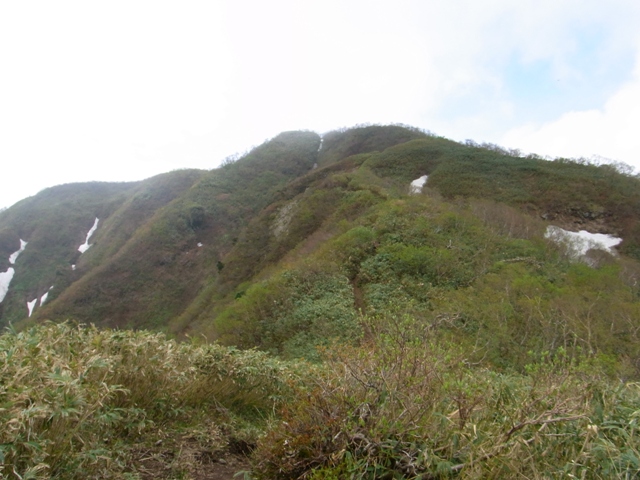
x: 78, y: 402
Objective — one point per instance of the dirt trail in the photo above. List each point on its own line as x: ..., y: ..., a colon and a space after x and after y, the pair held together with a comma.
x: 188, y: 461
x: 201, y: 468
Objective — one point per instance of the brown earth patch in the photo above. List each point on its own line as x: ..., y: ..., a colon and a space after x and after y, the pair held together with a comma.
x: 189, y: 462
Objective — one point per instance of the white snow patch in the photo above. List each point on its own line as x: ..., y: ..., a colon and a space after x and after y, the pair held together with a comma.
x: 14, y: 256
x: 5, y: 280
x: 31, y: 305
x: 582, y: 241
x: 199, y: 244
x: 417, y: 184
x: 43, y: 298
x: 85, y: 246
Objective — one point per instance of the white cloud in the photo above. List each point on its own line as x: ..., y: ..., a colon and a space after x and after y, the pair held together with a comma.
x: 610, y: 131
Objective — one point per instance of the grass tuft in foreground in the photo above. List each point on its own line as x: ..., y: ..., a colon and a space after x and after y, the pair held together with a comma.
x: 78, y: 402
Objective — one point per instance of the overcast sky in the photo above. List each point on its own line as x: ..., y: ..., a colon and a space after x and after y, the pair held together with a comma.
x: 124, y: 90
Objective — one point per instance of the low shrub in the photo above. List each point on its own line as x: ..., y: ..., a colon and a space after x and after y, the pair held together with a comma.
x: 407, y: 406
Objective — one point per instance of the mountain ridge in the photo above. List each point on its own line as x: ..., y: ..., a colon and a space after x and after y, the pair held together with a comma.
x: 177, y: 252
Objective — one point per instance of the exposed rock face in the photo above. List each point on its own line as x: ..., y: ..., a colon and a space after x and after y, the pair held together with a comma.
x: 283, y: 219
x: 592, y: 218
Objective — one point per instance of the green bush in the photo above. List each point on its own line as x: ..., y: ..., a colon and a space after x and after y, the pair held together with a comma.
x: 292, y: 314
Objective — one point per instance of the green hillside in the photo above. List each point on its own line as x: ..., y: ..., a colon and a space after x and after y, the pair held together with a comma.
x: 420, y: 333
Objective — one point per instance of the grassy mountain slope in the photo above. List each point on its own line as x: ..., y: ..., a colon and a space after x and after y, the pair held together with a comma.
x: 272, y: 210
x: 54, y: 223
x: 340, y: 144
x: 446, y: 335
x: 467, y: 257
x: 161, y: 267
x: 480, y: 272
